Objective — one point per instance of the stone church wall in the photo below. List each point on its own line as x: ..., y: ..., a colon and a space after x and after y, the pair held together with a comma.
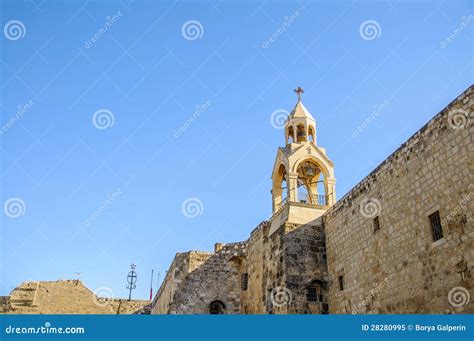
x: 201, y: 278
x: 253, y: 299
x: 398, y: 268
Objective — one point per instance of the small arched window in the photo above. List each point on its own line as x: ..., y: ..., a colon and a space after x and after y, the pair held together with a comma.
x: 216, y: 308
x: 314, y: 292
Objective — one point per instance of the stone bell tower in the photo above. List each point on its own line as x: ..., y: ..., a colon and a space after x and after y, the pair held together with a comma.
x: 303, y: 175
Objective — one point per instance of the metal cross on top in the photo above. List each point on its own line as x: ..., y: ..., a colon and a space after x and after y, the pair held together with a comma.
x: 131, y: 280
x: 298, y: 91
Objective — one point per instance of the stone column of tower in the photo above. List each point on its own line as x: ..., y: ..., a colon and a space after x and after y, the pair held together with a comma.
x: 301, y: 168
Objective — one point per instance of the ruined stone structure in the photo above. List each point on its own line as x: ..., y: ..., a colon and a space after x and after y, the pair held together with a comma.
x: 64, y: 297
x: 401, y: 241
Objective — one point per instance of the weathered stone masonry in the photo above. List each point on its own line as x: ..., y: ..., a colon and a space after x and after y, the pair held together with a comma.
x: 64, y: 297
x: 357, y: 265
x: 432, y: 171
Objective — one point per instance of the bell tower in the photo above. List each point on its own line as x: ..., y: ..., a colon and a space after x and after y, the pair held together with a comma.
x: 303, y: 175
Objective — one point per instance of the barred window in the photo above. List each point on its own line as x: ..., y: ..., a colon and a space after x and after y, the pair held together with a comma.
x: 244, y: 281
x: 313, y: 293
x: 436, y: 229
x: 376, y: 223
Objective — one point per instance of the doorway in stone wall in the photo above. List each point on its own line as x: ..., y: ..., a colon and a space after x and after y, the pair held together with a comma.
x: 216, y: 308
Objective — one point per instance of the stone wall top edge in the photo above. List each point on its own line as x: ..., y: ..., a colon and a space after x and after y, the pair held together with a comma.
x: 357, y: 189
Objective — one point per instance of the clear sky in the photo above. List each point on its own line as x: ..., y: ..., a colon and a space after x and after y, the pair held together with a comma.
x: 129, y: 108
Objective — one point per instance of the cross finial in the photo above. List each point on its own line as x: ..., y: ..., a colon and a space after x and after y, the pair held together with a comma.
x: 298, y: 91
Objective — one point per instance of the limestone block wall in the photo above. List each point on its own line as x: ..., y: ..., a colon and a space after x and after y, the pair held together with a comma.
x: 253, y: 299
x: 64, y: 297
x: 399, y: 269
x: 295, y: 256
x: 195, y: 279
x: 304, y: 259
x: 182, y: 265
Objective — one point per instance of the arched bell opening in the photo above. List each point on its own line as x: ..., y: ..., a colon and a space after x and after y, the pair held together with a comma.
x: 280, y: 188
x: 290, y: 135
x: 312, y: 184
x: 300, y: 133
x: 311, y: 134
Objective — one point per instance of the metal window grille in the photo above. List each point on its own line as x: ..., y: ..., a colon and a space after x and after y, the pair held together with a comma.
x: 313, y: 294
x: 244, y: 281
x: 436, y: 229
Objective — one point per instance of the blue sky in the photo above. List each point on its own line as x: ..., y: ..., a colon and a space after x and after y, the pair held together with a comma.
x: 95, y: 200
